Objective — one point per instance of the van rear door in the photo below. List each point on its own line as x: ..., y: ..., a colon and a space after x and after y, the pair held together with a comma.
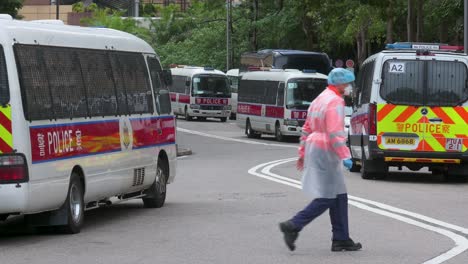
x: 447, y: 110
x: 422, y: 109
x: 399, y: 116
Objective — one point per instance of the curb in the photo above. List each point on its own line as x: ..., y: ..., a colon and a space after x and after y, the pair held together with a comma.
x: 183, y: 152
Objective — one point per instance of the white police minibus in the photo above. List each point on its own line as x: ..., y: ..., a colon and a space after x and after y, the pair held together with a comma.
x: 276, y: 101
x: 85, y: 120
x: 200, y: 92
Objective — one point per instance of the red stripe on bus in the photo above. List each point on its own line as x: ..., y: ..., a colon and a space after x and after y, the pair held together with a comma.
x: 185, y: 99
x: 462, y: 113
x: 274, y: 111
x: 153, y: 131
x: 5, y: 122
x: 385, y: 111
x: 442, y: 115
x: 173, y: 97
x: 249, y: 109
x: 4, y: 147
x: 464, y: 139
x: 440, y: 138
x: 87, y: 138
x: 406, y: 114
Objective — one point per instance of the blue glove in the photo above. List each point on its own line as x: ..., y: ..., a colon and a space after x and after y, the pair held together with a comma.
x: 348, y: 163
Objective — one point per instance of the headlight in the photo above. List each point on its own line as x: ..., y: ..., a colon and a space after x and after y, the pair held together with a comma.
x: 289, y: 122
x: 227, y: 107
x: 194, y: 106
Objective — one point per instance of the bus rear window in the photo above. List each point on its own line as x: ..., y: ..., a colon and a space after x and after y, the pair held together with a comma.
x: 429, y: 83
x: 4, y: 90
x: 447, y: 83
x: 403, y: 82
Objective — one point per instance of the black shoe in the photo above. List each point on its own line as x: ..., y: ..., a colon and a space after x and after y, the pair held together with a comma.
x: 290, y: 234
x: 345, y: 245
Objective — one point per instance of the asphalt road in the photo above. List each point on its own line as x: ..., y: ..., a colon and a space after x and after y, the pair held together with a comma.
x: 227, y: 200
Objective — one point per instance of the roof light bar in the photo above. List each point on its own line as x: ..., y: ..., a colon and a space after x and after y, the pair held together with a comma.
x: 423, y: 46
x: 309, y: 71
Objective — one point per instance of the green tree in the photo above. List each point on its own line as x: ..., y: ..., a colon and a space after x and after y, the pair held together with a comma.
x: 11, y: 7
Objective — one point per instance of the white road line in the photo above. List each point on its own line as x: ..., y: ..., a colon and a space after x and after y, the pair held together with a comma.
x: 233, y: 139
x: 460, y: 241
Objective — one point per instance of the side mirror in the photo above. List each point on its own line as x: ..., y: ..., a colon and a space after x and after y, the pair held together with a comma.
x: 167, y: 77
x: 187, y: 83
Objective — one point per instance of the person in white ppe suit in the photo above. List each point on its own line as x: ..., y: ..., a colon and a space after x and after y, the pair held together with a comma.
x: 322, y: 152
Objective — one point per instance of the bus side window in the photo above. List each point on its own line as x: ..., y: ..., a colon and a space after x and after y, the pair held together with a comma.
x: 280, y: 99
x: 187, y: 85
x: 4, y: 91
x: 161, y: 95
x: 366, y: 83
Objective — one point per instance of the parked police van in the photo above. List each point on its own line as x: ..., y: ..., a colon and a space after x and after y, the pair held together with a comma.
x: 200, y: 92
x: 411, y: 109
x: 85, y: 121
x: 276, y: 101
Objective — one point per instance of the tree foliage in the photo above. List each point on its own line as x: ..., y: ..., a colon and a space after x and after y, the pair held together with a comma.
x: 346, y: 29
x: 10, y: 7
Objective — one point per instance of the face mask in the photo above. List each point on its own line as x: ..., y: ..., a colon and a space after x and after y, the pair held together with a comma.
x: 348, y: 90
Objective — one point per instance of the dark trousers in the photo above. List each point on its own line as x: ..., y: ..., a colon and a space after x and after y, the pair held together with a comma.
x: 338, y: 215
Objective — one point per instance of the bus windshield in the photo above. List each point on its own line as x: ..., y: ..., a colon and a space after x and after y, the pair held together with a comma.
x: 210, y: 86
x: 301, y: 92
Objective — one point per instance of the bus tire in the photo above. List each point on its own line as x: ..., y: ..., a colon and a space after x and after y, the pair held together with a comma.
x: 365, y: 174
x: 187, y: 115
x: 223, y: 119
x: 249, y: 131
x: 156, y: 194
x: 74, y: 206
x: 279, y: 137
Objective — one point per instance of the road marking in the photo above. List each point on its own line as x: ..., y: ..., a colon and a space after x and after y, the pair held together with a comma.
x: 461, y: 243
x: 233, y: 139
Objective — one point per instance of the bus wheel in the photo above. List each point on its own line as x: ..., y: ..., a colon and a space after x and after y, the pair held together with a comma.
x: 187, y: 116
x: 279, y: 137
x: 223, y: 119
x: 249, y: 131
x: 156, y: 194
x: 365, y: 174
x: 74, y: 206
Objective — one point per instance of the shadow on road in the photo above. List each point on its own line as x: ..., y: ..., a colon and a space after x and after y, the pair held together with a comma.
x: 15, y: 227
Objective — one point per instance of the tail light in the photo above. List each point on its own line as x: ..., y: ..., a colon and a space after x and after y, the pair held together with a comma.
x: 13, y: 169
x: 372, y: 119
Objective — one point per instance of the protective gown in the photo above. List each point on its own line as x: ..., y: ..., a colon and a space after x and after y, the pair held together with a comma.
x: 323, y: 146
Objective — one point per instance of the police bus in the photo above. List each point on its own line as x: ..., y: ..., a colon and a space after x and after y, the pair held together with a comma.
x: 411, y: 109
x: 286, y: 59
x: 200, y: 92
x: 85, y: 120
x: 276, y: 101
